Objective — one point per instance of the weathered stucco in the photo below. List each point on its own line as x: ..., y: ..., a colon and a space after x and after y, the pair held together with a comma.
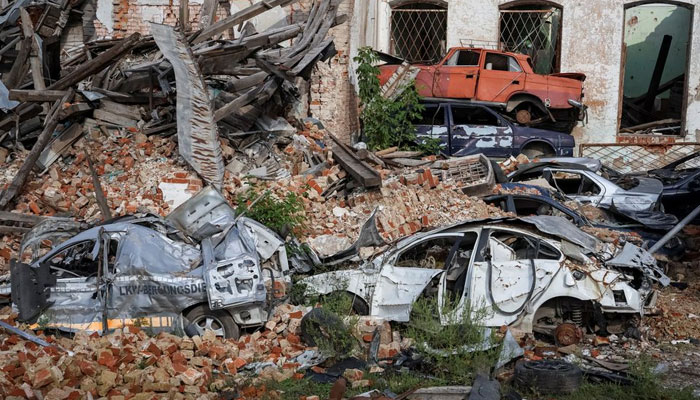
x: 592, y: 36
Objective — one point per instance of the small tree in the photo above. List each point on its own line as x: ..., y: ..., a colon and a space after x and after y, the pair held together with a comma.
x: 387, y: 122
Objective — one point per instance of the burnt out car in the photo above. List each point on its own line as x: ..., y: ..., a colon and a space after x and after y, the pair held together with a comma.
x: 532, y: 273
x: 466, y: 129
x: 199, y: 269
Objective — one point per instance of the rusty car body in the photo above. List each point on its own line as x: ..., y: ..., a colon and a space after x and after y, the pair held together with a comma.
x: 502, y: 79
x: 532, y: 273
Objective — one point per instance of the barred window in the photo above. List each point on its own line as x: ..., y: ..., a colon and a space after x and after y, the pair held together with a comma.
x: 533, y: 30
x: 419, y: 32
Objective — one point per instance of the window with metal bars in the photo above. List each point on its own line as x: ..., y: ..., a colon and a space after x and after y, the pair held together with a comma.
x: 419, y: 32
x: 533, y: 30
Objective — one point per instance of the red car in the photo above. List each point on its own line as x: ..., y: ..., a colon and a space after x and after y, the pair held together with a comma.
x: 502, y: 79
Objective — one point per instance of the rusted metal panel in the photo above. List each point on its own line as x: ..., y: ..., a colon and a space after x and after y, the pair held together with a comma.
x: 198, y: 140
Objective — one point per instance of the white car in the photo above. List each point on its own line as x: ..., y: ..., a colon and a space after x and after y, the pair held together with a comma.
x: 532, y: 273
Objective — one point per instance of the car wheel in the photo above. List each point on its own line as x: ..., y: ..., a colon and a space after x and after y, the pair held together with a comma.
x: 548, y: 376
x: 538, y: 150
x: 203, y: 319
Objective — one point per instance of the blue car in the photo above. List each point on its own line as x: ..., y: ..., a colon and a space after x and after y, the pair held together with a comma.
x: 468, y: 128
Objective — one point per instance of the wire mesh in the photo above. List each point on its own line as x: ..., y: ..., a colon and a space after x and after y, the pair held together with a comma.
x: 635, y: 158
x: 419, y: 34
x: 532, y: 32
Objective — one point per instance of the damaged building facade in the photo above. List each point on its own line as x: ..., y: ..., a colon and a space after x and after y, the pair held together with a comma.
x: 617, y: 44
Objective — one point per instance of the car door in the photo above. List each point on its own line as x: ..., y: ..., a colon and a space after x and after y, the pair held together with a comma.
x: 456, y: 77
x: 576, y: 185
x: 511, y: 268
x: 476, y: 129
x: 499, y: 77
x: 432, y: 124
x: 75, y: 302
x: 405, y: 274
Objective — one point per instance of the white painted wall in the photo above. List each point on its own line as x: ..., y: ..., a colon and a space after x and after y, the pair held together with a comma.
x: 592, y: 33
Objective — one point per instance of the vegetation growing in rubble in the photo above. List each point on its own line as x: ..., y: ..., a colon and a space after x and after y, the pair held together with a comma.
x: 386, y: 122
x: 449, y: 349
x: 646, y: 385
x: 282, y: 215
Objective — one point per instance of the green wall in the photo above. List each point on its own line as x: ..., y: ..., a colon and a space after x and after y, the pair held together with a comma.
x: 645, y: 27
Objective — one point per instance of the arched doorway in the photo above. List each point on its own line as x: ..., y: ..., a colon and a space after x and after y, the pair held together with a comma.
x: 419, y: 31
x: 532, y: 28
x: 655, y: 54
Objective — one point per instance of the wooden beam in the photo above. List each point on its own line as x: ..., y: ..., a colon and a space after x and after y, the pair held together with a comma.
x: 358, y: 169
x: 37, y: 95
x: 34, y: 61
x: 229, y: 22
x: 98, y: 63
x: 99, y: 193
x: 20, y: 66
x: 207, y: 13
x: 50, y: 126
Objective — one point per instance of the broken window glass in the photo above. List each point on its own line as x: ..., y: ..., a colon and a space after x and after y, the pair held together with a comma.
x: 527, y: 207
x: 464, y: 58
x: 431, y: 115
x: 74, y: 261
x: 573, y: 183
x: 465, y: 115
x: 500, y: 62
x: 434, y: 253
x: 512, y: 246
x: 456, y: 275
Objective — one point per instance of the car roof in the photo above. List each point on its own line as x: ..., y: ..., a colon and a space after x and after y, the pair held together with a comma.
x: 508, y: 53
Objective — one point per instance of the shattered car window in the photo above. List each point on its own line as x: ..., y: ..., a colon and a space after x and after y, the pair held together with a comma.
x: 571, y: 183
x: 464, y: 57
x: 473, y: 116
x: 431, y: 115
x: 500, y: 62
x: 74, y: 261
x: 434, y: 253
x: 511, y: 246
x: 534, y: 207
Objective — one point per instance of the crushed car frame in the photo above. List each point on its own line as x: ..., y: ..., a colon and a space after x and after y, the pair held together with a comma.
x: 532, y: 273
x: 203, y: 263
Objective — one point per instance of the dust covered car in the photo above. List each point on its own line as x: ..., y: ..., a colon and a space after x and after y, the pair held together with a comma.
x: 533, y: 273
x: 201, y: 268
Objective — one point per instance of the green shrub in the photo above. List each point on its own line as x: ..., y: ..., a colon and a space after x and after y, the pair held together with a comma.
x: 386, y: 122
x: 450, y: 349
x: 278, y: 214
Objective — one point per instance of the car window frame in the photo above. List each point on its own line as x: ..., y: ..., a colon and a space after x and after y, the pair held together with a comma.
x: 493, y: 229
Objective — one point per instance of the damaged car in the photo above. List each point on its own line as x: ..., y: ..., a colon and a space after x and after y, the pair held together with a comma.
x: 649, y: 225
x: 532, y: 273
x: 466, y: 129
x: 576, y: 182
x: 201, y: 268
x: 502, y: 80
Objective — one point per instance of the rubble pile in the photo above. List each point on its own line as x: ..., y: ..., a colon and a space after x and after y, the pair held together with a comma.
x: 132, y: 362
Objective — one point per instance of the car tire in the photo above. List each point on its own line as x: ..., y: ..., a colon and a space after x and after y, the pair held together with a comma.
x: 538, y: 150
x: 201, y: 317
x: 548, y: 376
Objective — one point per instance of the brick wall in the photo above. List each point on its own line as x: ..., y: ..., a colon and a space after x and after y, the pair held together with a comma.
x: 331, y: 95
